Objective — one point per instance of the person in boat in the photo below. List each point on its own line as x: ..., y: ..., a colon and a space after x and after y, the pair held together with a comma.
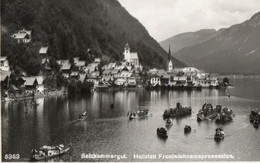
x: 162, y: 132
x: 168, y: 121
x: 187, y: 128
x: 219, y: 134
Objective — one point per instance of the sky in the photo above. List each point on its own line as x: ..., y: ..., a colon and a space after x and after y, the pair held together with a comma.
x: 166, y: 18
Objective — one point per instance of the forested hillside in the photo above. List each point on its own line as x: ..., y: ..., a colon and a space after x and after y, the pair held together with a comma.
x: 69, y: 28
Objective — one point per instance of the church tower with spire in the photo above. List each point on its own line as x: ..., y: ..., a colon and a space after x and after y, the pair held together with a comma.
x: 170, y: 65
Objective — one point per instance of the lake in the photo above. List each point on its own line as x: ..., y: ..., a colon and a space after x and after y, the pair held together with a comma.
x: 108, y: 131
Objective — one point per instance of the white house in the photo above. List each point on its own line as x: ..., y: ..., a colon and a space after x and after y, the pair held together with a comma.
x: 23, y: 36
x: 97, y: 60
x: 121, y: 81
x: 131, y: 81
x: 4, y: 63
x: 40, y: 85
x: 79, y: 63
x: 155, y: 80
x: 190, y: 70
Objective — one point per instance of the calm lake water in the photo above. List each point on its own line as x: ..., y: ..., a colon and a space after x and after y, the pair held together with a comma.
x: 108, y: 131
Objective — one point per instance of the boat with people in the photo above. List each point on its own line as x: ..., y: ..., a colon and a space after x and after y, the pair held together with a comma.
x: 101, y: 86
x: 224, y: 115
x: 254, y: 116
x: 46, y: 152
x: 162, y: 133
x: 82, y: 116
x: 178, y: 111
x: 187, y: 129
x: 219, y: 135
x: 207, y: 112
x: 169, y: 122
x: 138, y: 114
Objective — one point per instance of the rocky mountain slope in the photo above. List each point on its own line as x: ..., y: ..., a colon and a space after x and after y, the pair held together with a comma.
x: 186, y: 39
x: 234, y: 50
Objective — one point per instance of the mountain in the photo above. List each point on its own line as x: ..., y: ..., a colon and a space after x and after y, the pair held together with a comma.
x: 234, y: 50
x: 186, y: 39
x: 71, y: 27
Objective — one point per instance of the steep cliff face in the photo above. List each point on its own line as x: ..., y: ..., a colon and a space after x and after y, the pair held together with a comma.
x: 71, y: 27
x: 234, y: 50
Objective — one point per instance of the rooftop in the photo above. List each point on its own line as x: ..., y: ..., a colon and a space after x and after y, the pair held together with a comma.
x: 43, y: 50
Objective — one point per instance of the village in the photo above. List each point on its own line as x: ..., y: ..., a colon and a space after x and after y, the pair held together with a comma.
x: 125, y: 74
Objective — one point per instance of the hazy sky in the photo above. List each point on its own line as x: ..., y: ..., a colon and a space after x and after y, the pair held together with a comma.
x: 166, y: 18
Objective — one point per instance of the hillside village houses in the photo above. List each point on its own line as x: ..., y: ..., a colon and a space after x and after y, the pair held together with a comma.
x: 23, y: 36
x: 127, y: 73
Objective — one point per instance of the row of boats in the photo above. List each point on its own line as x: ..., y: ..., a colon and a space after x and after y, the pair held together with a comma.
x: 219, y: 132
x: 207, y: 112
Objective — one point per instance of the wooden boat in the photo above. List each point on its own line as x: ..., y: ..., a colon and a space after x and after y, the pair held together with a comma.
x: 187, y: 129
x: 179, y: 111
x: 255, y: 115
x: 169, y: 122
x: 162, y: 133
x: 225, y: 115
x: 46, y: 152
x: 101, y: 87
x: 138, y: 114
x: 132, y: 116
x: 219, y: 135
x: 207, y: 112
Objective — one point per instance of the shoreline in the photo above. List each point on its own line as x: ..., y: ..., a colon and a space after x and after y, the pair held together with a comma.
x: 38, y: 95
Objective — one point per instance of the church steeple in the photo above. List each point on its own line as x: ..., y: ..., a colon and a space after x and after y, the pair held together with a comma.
x: 170, y: 65
x: 169, y: 53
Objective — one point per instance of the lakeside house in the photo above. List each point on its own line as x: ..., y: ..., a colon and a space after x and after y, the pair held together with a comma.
x: 23, y: 36
x: 82, y: 77
x: 81, y: 64
x: 92, y: 78
x: 91, y: 68
x: 155, y: 80
x: 5, y: 78
x: 65, y: 67
x: 4, y: 63
x: 30, y: 84
x: 74, y: 75
x: 34, y: 84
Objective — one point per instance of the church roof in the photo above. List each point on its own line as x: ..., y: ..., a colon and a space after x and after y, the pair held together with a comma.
x: 133, y: 55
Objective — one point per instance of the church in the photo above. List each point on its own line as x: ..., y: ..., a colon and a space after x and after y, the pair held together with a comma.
x: 131, y: 57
